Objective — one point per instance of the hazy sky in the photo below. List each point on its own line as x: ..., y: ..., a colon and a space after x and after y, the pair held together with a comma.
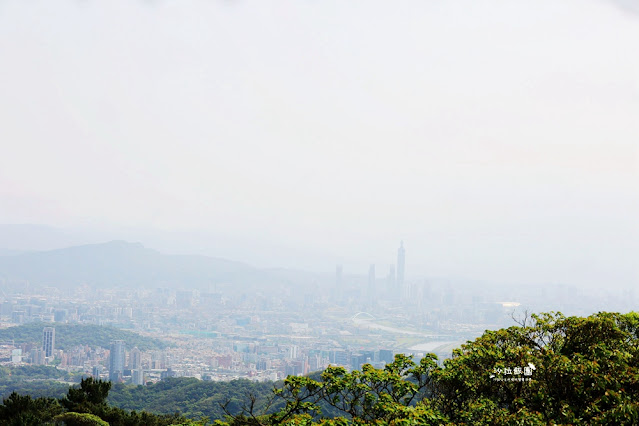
x: 498, y: 139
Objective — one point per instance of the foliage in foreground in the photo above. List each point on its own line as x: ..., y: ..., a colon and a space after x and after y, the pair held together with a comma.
x: 581, y: 371
x: 35, y: 380
x: 191, y: 397
x: 85, y: 405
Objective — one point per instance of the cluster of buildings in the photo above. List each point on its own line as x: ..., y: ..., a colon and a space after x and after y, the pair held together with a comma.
x: 223, y: 359
x: 32, y: 353
x: 267, y: 333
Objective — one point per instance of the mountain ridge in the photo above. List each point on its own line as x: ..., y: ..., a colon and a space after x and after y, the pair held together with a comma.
x: 118, y: 263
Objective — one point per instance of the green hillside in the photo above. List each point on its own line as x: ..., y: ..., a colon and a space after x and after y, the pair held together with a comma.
x: 82, y: 405
x: 188, y: 396
x: 70, y: 335
x: 550, y: 369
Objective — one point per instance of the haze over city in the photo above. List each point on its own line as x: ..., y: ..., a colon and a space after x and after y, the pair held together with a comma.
x: 324, y: 212
x: 498, y: 140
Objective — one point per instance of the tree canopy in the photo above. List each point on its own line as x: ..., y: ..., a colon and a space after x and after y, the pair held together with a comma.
x: 84, y: 405
x: 549, y: 369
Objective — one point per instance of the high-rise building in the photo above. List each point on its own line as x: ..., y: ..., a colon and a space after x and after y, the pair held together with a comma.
x: 135, y: 359
x: 401, y: 260
x: 340, y: 357
x: 137, y: 377
x: 48, y: 341
x: 117, y: 358
x: 97, y: 369
x: 386, y: 356
x: 293, y: 352
x: 16, y: 356
x: 37, y: 357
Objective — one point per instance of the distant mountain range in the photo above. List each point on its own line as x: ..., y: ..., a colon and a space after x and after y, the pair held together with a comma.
x: 120, y: 263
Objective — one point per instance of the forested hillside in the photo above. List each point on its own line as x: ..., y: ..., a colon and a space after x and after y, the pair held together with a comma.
x: 83, y: 405
x: 191, y: 397
x: 70, y: 335
x: 35, y: 380
x: 550, y: 369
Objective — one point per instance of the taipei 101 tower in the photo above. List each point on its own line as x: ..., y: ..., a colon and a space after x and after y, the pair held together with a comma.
x: 400, y: 266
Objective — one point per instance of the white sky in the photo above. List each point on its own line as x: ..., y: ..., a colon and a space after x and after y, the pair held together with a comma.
x: 498, y: 139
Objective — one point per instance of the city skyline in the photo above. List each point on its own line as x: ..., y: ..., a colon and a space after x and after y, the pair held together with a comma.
x: 499, y: 140
x: 296, y: 212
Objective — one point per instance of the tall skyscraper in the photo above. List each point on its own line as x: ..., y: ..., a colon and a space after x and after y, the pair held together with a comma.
x: 48, y: 341
x: 135, y: 359
x: 117, y: 358
x: 400, y: 265
x: 292, y: 354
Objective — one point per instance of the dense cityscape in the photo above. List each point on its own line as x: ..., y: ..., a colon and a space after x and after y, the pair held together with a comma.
x: 301, y: 213
x: 229, y: 333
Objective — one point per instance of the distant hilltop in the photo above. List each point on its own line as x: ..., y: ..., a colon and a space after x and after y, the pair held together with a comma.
x: 121, y: 263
